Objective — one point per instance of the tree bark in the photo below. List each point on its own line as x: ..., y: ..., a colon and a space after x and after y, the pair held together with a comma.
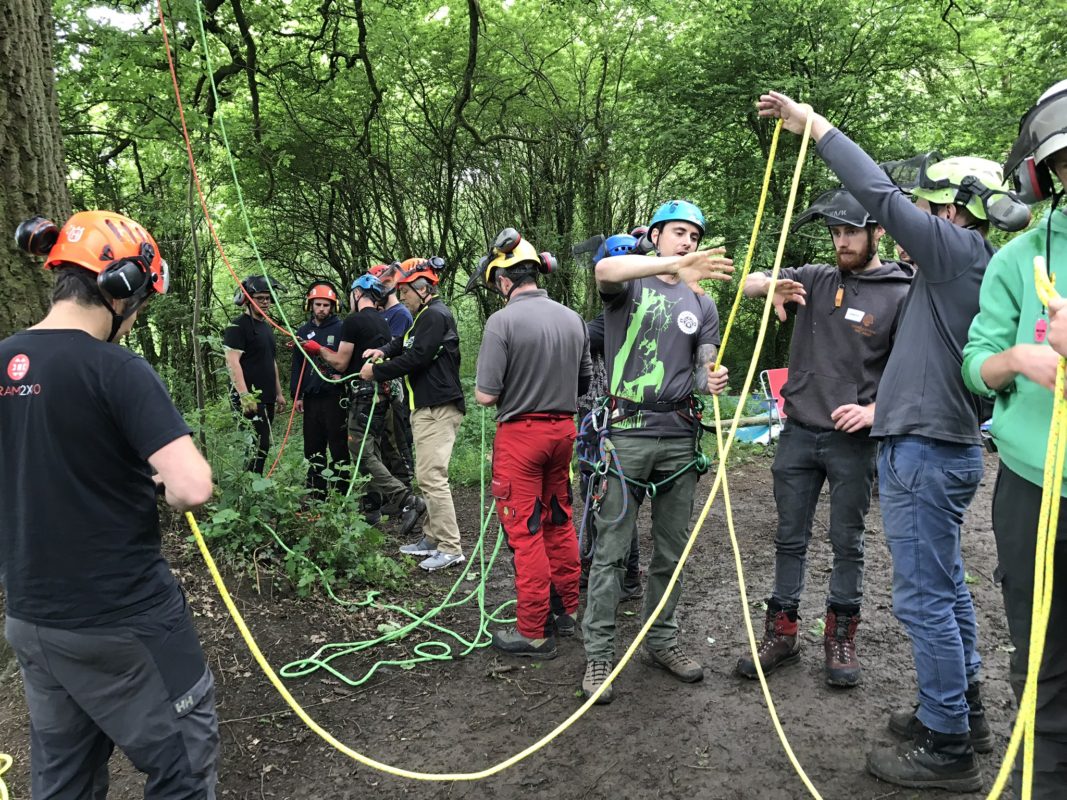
x: 32, y: 169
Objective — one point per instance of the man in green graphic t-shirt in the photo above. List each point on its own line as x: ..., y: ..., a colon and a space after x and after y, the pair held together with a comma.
x: 660, y: 339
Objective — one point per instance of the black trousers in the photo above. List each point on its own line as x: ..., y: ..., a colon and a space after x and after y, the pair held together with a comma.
x: 1016, y: 505
x: 325, y: 431
x: 260, y: 423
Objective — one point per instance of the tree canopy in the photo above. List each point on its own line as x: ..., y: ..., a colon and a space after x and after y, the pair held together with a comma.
x: 363, y: 131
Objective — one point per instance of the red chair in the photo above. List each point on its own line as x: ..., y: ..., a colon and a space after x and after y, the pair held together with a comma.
x: 772, y: 381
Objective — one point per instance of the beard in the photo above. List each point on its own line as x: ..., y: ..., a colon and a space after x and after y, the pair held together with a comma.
x: 849, y: 262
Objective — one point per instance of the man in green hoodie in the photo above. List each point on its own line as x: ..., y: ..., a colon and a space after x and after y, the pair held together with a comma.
x: 1008, y: 357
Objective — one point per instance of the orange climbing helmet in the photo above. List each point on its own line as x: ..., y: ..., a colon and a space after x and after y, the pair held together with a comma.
x: 122, y: 254
x: 320, y: 290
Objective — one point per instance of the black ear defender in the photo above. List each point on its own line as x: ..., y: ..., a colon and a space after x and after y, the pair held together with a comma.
x: 1005, y: 210
x: 36, y: 236
x: 1032, y: 181
x: 239, y: 297
x: 547, y: 263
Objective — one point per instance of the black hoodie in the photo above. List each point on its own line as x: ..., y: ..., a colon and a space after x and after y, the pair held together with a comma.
x: 839, y: 349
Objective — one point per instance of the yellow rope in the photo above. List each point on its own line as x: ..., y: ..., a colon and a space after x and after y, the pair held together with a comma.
x: 577, y: 714
x: 1044, y: 563
x: 5, y: 765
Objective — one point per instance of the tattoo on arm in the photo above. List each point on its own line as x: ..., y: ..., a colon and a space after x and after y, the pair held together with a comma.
x: 705, y: 356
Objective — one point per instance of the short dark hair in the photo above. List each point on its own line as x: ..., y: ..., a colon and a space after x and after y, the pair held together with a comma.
x: 521, y: 273
x: 969, y: 220
x: 77, y: 284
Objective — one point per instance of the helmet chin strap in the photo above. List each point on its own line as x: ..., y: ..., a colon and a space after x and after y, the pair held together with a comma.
x: 132, y: 305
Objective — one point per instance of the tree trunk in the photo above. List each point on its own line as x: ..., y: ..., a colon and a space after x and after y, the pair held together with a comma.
x: 32, y: 171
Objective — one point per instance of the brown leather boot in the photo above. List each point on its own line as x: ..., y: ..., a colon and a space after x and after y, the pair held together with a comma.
x: 839, y: 641
x: 779, y: 646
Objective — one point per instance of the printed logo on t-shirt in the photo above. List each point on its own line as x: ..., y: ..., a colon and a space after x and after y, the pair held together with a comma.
x: 688, y: 323
x: 18, y: 366
x: 329, y: 339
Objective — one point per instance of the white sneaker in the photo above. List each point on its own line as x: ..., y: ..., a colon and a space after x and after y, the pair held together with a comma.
x: 423, y: 547
x: 441, y: 560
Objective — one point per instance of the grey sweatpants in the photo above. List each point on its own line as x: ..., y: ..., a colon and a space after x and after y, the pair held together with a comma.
x: 140, y: 683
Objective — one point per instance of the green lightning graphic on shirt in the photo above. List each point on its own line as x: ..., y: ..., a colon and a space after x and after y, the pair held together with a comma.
x: 651, y: 318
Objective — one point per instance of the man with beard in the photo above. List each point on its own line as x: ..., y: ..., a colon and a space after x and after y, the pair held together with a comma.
x: 930, y: 457
x: 846, y: 318
x: 319, y: 400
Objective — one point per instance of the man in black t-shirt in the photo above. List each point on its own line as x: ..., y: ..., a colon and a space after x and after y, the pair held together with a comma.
x: 103, y: 636
x: 250, y: 349
x: 366, y: 329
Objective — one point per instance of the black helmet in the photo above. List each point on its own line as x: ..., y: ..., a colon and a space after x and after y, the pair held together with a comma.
x: 256, y: 284
x: 836, y: 207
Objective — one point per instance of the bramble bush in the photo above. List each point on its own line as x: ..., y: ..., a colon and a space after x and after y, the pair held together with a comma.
x: 255, y: 521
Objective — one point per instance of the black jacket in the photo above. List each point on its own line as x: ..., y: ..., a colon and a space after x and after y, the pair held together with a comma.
x: 328, y: 334
x: 427, y: 356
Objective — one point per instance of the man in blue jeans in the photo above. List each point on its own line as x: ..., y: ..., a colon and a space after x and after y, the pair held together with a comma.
x: 930, y: 460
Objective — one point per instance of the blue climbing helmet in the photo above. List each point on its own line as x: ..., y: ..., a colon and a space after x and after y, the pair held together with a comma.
x: 618, y: 245
x: 674, y: 210
x: 369, y: 284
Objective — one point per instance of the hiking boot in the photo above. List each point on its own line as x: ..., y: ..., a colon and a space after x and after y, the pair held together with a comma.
x: 510, y: 641
x: 411, y: 513
x: 839, y: 642
x: 441, y: 560
x: 423, y: 547
x: 675, y: 661
x: 373, y: 517
x: 779, y: 646
x: 905, y: 723
x: 930, y: 760
x: 596, y: 672
x: 565, y: 624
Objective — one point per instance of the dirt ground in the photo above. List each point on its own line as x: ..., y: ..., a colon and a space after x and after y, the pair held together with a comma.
x: 660, y: 739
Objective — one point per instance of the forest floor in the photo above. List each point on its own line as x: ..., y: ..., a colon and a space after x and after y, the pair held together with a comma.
x: 659, y: 739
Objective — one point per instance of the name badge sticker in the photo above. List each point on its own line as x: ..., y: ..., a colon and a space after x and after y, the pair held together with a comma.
x: 854, y: 315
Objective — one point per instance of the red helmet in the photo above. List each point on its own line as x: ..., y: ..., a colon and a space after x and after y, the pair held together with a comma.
x: 123, y: 254
x: 412, y: 269
x: 378, y: 270
x: 320, y: 290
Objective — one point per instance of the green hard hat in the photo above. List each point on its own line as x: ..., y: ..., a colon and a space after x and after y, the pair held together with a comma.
x: 940, y: 181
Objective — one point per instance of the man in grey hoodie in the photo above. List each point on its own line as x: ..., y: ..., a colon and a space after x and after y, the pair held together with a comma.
x: 930, y: 458
x: 846, y: 319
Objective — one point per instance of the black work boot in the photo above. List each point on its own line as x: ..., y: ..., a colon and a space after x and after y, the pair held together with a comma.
x: 905, y: 723
x: 779, y: 646
x: 839, y: 642
x: 930, y: 760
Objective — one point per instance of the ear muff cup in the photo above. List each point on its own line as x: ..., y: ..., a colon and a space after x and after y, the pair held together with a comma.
x: 36, y: 236
x: 547, y: 264
x: 122, y: 280
x: 1033, y: 181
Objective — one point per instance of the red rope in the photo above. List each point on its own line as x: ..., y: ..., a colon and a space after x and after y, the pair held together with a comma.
x: 292, y: 414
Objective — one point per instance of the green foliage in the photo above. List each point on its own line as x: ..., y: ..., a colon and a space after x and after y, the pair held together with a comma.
x: 366, y: 132
x: 257, y: 521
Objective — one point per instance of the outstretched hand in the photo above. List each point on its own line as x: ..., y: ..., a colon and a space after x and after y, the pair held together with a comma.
x: 794, y: 115
x: 787, y: 291
x: 704, y: 265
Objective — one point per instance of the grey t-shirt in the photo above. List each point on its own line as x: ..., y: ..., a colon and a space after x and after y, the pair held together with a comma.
x: 922, y: 390
x: 839, y: 351
x: 652, y: 330
x: 533, y: 352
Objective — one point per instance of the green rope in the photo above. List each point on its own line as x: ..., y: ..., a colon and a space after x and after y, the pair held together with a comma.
x: 439, y: 649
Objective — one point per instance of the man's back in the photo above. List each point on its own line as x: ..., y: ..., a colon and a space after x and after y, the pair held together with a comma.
x: 532, y: 354
x: 79, y: 529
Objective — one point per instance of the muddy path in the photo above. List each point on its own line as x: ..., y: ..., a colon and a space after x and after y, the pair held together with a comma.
x: 713, y: 740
